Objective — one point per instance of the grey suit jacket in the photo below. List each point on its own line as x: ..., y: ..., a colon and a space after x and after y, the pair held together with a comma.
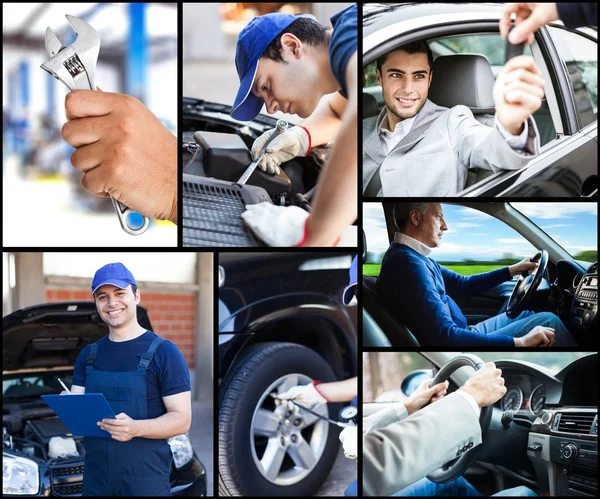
x: 436, y: 162
x: 399, y: 449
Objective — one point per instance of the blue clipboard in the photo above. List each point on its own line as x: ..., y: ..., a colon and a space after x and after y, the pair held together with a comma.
x: 81, y: 412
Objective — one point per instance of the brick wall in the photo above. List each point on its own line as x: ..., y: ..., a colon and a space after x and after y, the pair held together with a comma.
x: 173, y: 315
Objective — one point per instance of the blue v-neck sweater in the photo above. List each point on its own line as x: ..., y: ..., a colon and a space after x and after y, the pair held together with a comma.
x: 416, y: 290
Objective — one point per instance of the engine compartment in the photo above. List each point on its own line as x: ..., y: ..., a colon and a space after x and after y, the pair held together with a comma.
x: 28, y: 427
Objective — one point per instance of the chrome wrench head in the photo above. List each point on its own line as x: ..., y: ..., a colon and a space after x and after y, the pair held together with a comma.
x: 74, y: 65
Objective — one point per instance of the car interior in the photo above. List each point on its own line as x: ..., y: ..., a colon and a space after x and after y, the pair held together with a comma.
x: 541, y: 434
x: 566, y: 287
x: 464, y: 79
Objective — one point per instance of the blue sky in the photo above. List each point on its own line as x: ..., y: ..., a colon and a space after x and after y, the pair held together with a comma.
x: 476, y: 235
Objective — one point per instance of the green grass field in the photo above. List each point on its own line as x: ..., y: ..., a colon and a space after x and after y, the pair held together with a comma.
x: 466, y: 270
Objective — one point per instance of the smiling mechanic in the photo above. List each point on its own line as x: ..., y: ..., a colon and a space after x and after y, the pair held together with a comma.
x: 295, y: 65
x: 416, y: 148
x: 417, y: 289
x: 146, y: 382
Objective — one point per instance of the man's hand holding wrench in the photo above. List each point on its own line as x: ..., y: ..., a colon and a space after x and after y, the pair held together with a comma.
x: 122, y: 149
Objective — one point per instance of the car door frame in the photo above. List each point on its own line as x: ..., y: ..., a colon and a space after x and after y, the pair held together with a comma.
x: 569, y: 136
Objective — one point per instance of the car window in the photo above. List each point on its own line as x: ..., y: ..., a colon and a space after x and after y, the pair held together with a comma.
x: 572, y: 225
x: 581, y: 58
x: 33, y: 386
x: 475, y: 242
x: 552, y: 360
x: 383, y: 373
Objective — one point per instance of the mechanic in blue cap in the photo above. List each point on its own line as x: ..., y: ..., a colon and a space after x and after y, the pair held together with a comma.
x: 295, y: 65
x: 147, y: 383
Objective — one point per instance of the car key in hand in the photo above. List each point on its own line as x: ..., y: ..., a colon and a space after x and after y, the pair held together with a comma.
x: 511, y: 50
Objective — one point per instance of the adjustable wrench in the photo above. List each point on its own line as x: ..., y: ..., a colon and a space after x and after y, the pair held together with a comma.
x: 75, y: 66
x: 280, y: 127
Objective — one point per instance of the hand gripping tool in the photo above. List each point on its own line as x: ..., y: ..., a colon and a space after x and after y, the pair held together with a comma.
x: 75, y: 66
x: 280, y: 127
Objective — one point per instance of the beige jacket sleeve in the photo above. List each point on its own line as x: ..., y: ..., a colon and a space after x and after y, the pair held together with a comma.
x: 404, y: 451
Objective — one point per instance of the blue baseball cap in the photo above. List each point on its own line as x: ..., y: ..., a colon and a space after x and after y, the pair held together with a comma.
x: 252, y: 42
x: 349, y: 291
x: 114, y: 273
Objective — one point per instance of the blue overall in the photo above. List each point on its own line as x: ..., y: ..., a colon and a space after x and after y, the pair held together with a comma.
x: 140, y: 466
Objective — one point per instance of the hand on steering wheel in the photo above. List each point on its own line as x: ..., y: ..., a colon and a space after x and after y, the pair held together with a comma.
x: 522, y: 294
x: 484, y: 398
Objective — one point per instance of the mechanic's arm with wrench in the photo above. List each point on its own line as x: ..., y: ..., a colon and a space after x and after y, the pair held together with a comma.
x: 123, y: 150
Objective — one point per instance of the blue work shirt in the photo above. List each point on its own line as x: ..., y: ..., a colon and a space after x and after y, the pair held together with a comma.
x: 343, y: 43
x: 416, y: 290
x: 166, y: 375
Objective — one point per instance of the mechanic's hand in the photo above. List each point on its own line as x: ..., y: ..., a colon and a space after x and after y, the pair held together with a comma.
x: 122, y: 429
x: 306, y: 395
x: 486, y: 385
x: 291, y: 143
x: 123, y: 151
x: 518, y: 92
x: 348, y: 437
x: 525, y: 265
x: 539, y: 336
x: 529, y: 17
x: 276, y: 225
x: 424, y: 395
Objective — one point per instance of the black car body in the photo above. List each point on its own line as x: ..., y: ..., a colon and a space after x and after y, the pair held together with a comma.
x: 567, y: 165
x: 280, y: 316
x: 40, y: 345
x: 218, y: 147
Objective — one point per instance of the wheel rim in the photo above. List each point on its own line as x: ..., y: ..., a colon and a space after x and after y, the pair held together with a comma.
x: 287, y: 445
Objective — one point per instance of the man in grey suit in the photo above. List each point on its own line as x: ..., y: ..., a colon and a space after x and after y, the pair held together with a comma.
x: 417, y: 148
x: 404, y: 443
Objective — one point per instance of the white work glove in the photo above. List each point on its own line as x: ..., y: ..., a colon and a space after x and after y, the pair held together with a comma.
x: 276, y: 225
x: 291, y: 143
x: 306, y: 395
x: 349, y: 442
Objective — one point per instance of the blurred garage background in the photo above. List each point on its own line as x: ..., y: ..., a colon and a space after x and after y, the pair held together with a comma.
x: 44, y: 203
x: 176, y: 289
x: 210, y: 32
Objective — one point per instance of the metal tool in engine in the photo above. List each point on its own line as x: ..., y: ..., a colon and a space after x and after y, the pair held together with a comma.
x: 75, y: 66
x: 344, y: 413
x: 193, y: 148
x: 280, y: 127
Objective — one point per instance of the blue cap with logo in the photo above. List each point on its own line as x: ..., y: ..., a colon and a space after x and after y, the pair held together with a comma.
x: 114, y: 273
x: 252, y: 42
x: 349, y: 291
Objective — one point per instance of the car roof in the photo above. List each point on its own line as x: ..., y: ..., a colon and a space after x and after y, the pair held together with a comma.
x: 378, y: 16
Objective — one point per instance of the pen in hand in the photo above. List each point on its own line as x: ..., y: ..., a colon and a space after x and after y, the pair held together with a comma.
x: 64, y: 386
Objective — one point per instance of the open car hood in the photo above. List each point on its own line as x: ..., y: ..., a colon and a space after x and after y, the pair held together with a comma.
x: 53, y: 334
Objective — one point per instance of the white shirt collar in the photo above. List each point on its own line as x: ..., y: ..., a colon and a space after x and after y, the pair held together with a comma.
x: 401, y: 126
x: 418, y: 246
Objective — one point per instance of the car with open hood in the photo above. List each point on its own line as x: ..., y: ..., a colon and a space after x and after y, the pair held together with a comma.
x: 216, y: 152
x: 40, y: 345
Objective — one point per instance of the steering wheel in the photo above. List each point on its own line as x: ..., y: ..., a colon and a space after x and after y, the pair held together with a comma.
x: 455, y: 468
x: 522, y: 294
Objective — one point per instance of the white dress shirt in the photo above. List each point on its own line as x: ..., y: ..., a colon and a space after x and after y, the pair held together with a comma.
x: 412, y: 243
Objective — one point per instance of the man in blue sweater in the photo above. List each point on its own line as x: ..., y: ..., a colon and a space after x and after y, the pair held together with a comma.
x: 416, y: 288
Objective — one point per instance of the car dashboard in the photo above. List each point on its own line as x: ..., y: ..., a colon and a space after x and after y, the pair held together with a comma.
x: 525, y: 395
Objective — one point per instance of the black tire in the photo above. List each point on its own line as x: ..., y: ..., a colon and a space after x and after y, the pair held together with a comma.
x: 240, y: 392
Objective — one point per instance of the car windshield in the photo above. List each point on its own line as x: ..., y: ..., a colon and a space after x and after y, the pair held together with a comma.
x: 34, y: 385
x: 554, y: 361
x: 572, y: 225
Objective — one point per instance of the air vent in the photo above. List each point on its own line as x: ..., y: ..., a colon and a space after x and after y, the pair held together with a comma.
x: 576, y: 422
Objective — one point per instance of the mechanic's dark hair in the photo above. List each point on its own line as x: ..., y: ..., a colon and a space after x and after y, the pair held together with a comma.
x: 401, y: 213
x: 412, y: 48
x: 305, y: 29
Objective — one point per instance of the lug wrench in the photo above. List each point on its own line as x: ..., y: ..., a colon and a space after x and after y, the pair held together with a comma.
x: 320, y: 416
x: 75, y: 66
x: 281, y: 127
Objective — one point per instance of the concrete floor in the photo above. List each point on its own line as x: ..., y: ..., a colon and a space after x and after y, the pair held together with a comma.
x: 201, y: 435
x: 343, y: 472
